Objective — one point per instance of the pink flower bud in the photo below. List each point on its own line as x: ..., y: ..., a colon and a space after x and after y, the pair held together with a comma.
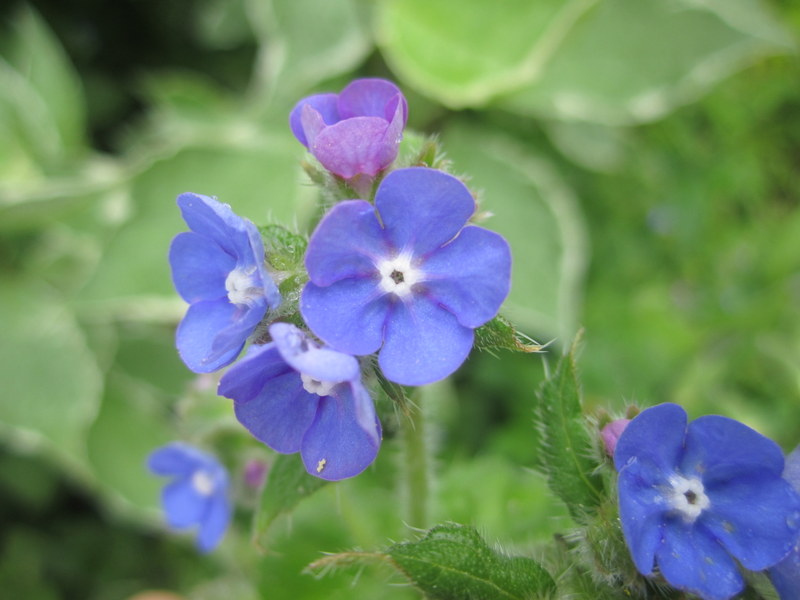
x: 611, y: 432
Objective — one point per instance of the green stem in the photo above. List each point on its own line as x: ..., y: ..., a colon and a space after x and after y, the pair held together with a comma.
x: 415, y: 465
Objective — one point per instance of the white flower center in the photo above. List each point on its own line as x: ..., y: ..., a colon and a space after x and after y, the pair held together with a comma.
x: 687, y: 497
x: 315, y: 386
x: 242, y: 291
x: 203, y: 483
x: 398, y: 276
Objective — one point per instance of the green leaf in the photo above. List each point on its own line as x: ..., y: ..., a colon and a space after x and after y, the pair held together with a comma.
x: 55, y: 95
x: 566, y: 445
x: 465, y: 53
x: 51, y: 381
x: 307, y: 41
x: 500, y: 334
x: 627, y: 61
x: 453, y: 562
x: 538, y: 215
x: 287, y: 484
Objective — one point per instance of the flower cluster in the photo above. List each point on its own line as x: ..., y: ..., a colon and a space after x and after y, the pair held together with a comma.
x: 695, y: 498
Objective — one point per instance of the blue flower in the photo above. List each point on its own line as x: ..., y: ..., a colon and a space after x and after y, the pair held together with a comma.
x: 785, y: 575
x: 297, y: 397
x: 218, y: 268
x: 694, y: 498
x: 405, y: 276
x: 198, y: 495
x: 355, y: 132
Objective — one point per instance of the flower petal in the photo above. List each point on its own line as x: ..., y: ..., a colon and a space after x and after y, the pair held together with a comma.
x: 245, y: 380
x: 243, y: 322
x: 691, y: 559
x: 323, y: 104
x: 214, y: 522
x: 355, y: 146
x: 197, y: 333
x: 348, y: 242
x: 348, y: 315
x: 280, y: 414
x: 423, y: 343
x: 303, y: 356
x: 176, y: 458
x: 422, y: 208
x: 338, y: 445
x: 719, y: 448
x: 371, y: 98
x: 210, y: 218
x: 756, y: 518
x: 785, y: 576
x: 183, y: 506
x: 655, y: 435
x: 470, y: 276
x: 641, y: 512
x: 199, y: 267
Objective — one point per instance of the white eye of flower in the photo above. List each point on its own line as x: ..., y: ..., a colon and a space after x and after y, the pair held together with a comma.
x: 687, y: 497
x: 203, y: 483
x: 315, y: 386
x: 241, y: 288
x: 398, y: 276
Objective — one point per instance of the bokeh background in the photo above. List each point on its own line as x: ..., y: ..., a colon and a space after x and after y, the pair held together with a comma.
x: 641, y: 156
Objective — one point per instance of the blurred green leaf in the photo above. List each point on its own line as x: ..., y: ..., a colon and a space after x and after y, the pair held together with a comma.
x: 452, y: 562
x: 53, y: 105
x: 287, y: 484
x: 627, y: 61
x: 307, y: 41
x: 130, y: 425
x: 52, y: 384
x: 539, y: 217
x: 566, y: 447
x: 465, y: 53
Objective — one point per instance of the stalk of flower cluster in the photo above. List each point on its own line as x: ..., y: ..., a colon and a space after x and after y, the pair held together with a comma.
x: 415, y: 464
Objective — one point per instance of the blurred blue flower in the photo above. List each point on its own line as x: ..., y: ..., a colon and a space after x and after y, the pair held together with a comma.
x: 694, y: 498
x: 297, y: 397
x: 198, y: 495
x: 355, y: 132
x: 218, y: 268
x: 785, y: 575
x: 405, y: 276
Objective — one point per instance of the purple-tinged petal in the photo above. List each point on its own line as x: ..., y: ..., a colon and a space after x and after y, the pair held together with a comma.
x: 175, y: 458
x: 470, y: 276
x: 655, y: 435
x: 210, y: 218
x: 692, y: 560
x: 214, y: 522
x: 354, y: 146
x: 719, y: 448
x: 183, y: 505
x: 371, y: 98
x: 280, y: 414
x: 641, y: 511
x: 610, y: 434
x: 305, y: 357
x: 422, y: 209
x: 347, y: 243
x: 245, y: 380
x: 423, y: 343
x: 756, y: 518
x: 785, y: 576
x: 348, y: 315
x: 199, y: 267
x: 243, y: 323
x: 197, y: 331
x: 271, y: 294
x: 323, y: 104
x: 337, y: 445
x: 312, y: 123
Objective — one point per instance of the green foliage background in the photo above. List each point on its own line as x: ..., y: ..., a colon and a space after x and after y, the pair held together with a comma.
x: 641, y: 156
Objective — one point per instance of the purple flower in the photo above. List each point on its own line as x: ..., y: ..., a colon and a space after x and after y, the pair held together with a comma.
x: 694, y: 498
x: 218, y: 268
x: 405, y: 276
x: 355, y: 132
x: 198, y: 494
x: 297, y: 397
x: 785, y: 575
